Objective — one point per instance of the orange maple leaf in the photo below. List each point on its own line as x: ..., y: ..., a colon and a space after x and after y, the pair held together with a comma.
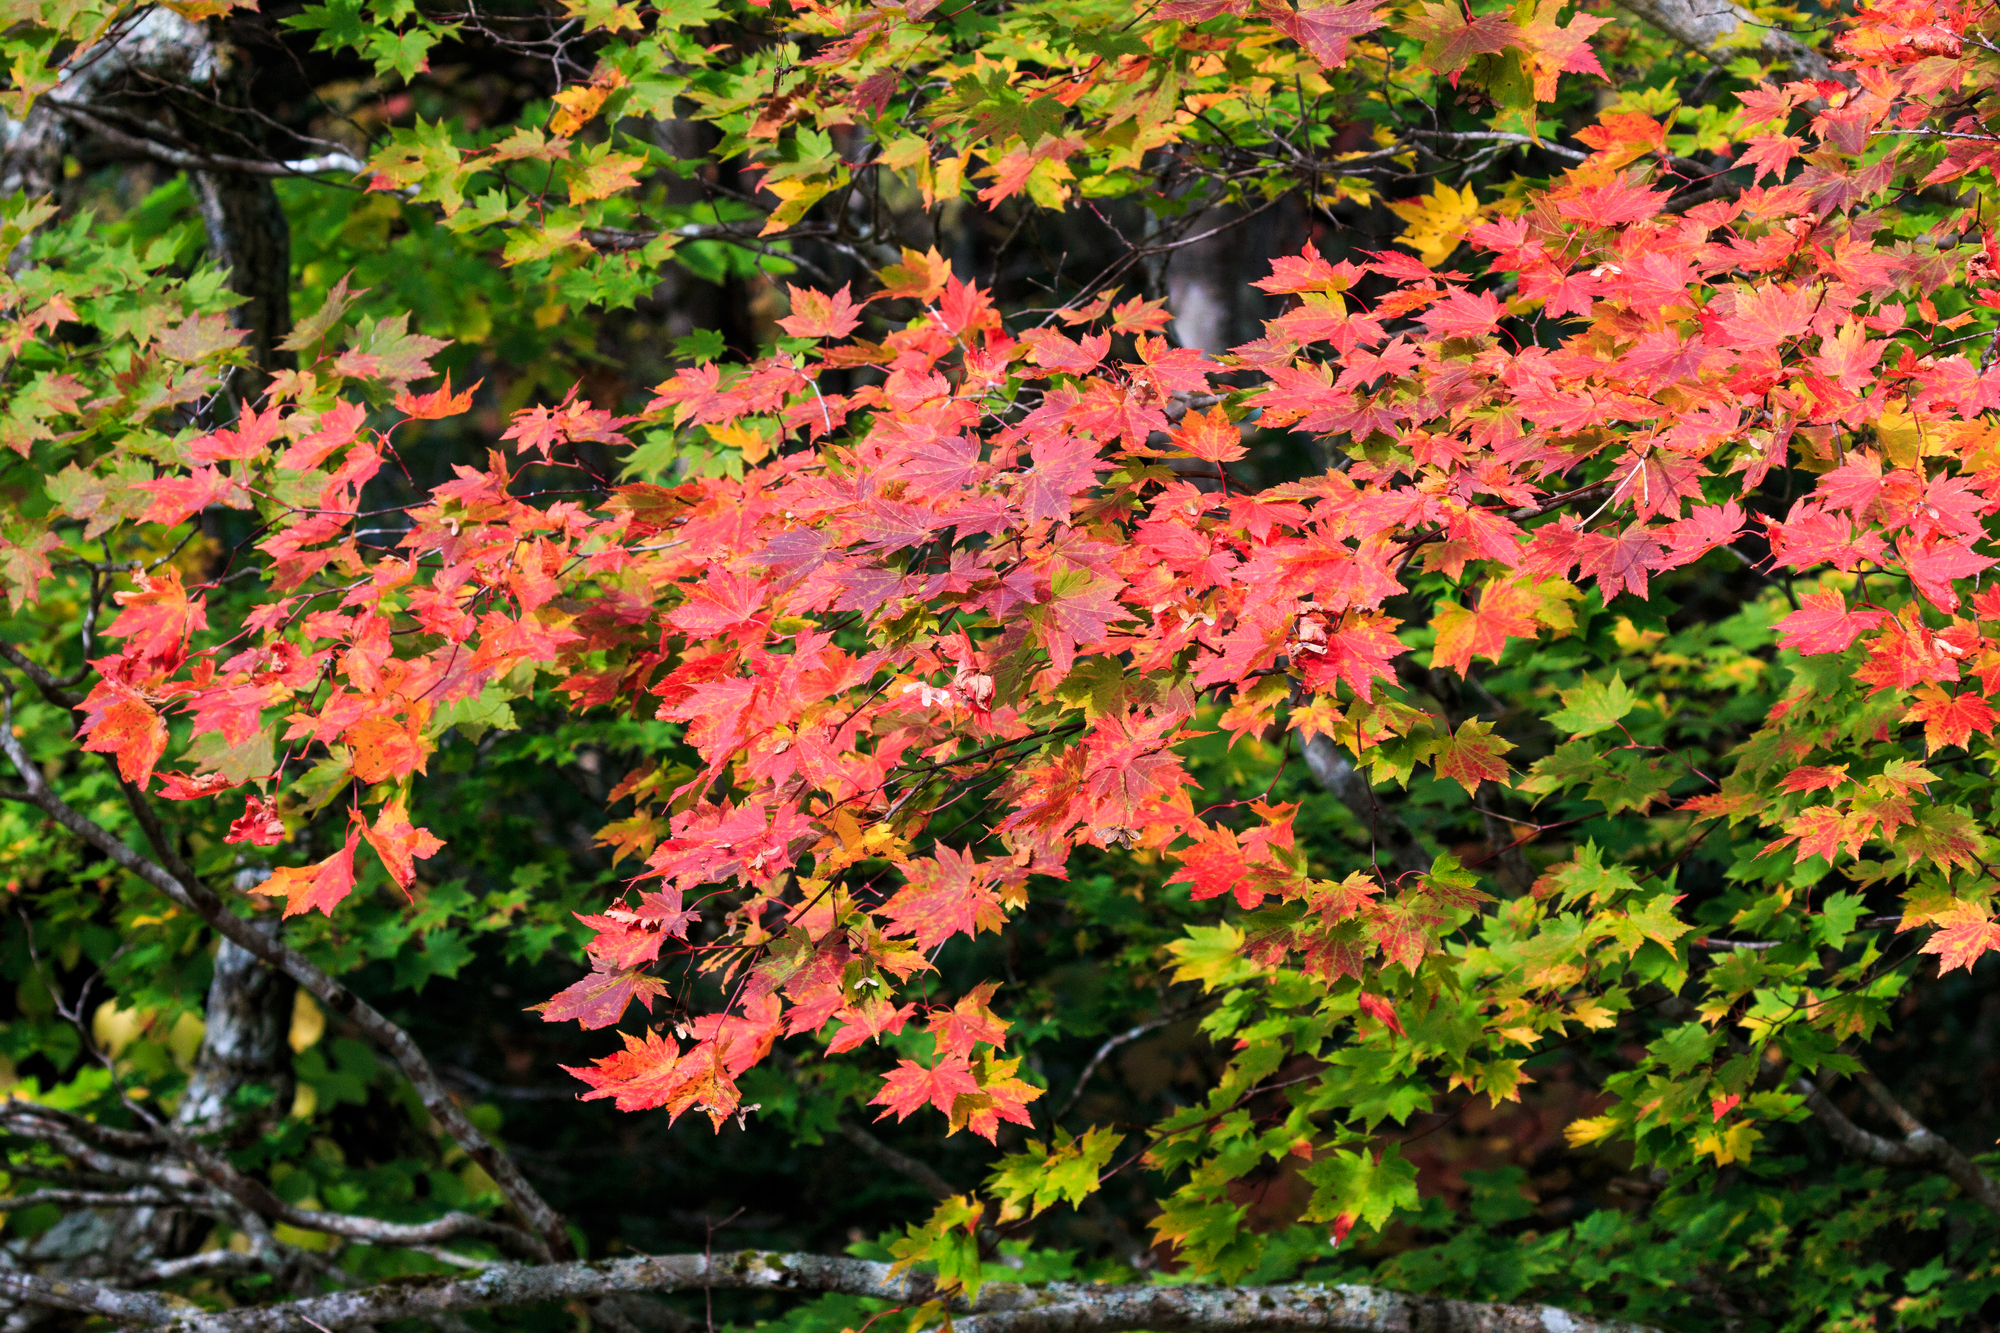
x: 386, y: 748
x: 118, y: 721
x: 1965, y: 932
x: 1504, y: 611
x: 319, y: 886
x: 1949, y: 719
x: 1471, y: 755
x: 438, y: 404
x: 399, y: 845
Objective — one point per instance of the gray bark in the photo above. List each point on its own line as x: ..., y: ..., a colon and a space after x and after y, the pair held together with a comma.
x: 159, y: 68
x: 1709, y: 25
x: 246, y: 1042
x: 1393, y: 841
x: 1919, y: 1146
x: 1001, y: 1307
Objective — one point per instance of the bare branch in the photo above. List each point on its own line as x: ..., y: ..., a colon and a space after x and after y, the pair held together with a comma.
x: 139, y: 1198
x: 934, y: 1184
x: 1919, y: 1146
x: 167, y: 155
x: 131, y: 1307
x: 1002, y: 1307
x: 1111, y: 1044
x: 51, y: 689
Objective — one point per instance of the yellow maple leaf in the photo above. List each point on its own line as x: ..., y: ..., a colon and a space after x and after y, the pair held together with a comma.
x: 1435, y: 224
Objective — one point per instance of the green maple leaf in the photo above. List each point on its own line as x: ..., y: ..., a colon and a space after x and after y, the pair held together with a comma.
x: 1361, y: 1186
x: 408, y: 53
x: 1587, y: 876
x: 1211, y: 955
x: 1594, y: 706
x: 339, y: 23
x: 1653, y: 920
x: 1685, y: 1047
x: 1572, y: 765
x: 1632, y: 783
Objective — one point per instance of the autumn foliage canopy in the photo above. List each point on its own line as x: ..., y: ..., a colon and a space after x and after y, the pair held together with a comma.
x: 1616, y: 679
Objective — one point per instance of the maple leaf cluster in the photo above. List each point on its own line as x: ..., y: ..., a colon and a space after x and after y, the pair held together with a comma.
x: 1015, y: 563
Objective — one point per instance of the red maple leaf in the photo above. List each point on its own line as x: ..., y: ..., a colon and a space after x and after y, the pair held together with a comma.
x: 1307, y: 272
x: 1808, y: 778
x: 600, y: 999
x: 1052, y: 351
x: 1079, y: 610
x: 253, y: 431
x: 1933, y: 563
x: 969, y: 1022
x: 437, y: 404
x: 1360, y: 652
x: 1001, y: 1096
x: 337, y: 427
x: 194, y: 787
x: 910, y: 1085
x: 157, y: 618
x: 258, y: 825
x: 1063, y: 465
x: 1621, y: 562
x: 947, y: 894
x: 1325, y: 30
x: 721, y: 602
x: 866, y: 1020
x: 1452, y: 36
x: 1376, y: 1007
x: 175, y: 499
x: 1824, y: 624
x: 1471, y: 755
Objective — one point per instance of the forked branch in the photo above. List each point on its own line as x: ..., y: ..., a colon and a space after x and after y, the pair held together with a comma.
x: 1919, y: 1146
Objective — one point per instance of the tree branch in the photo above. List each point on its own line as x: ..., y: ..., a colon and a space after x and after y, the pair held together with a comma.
x: 192, y: 895
x: 168, y: 155
x: 1002, y: 1307
x: 1708, y: 26
x: 1336, y: 773
x: 934, y: 1184
x: 1919, y: 1146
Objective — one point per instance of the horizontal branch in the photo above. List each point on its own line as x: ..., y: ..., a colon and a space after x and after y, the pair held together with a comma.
x: 1002, y: 1307
x: 167, y: 155
x: 139, y: 1198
